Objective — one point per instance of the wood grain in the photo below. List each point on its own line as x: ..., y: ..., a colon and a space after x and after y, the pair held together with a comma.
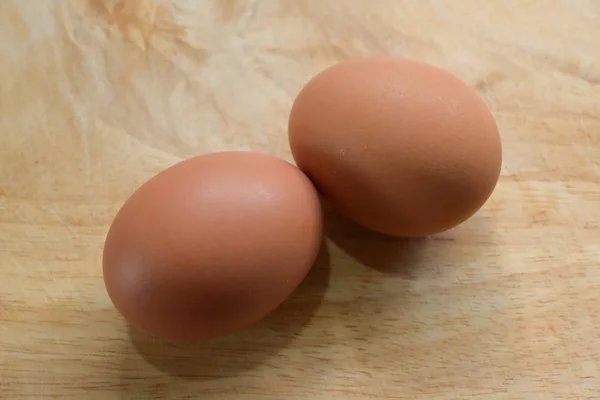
x: 96, y: 96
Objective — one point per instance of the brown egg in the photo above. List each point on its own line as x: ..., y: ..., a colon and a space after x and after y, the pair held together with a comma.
x: 398, y: 146
x: 212, y: 244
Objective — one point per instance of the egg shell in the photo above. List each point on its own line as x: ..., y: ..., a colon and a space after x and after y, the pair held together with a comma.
x: 212, y: 244
x: 399, y: 146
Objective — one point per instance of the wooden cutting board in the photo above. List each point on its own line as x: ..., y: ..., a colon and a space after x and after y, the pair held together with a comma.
x: 97, y: 96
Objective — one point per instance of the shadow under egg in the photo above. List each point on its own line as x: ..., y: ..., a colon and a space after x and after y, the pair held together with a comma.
x: 244, y: 350
x: 387, y: 254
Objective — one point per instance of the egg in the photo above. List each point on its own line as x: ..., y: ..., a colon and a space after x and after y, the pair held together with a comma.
x: 399, y: 146
x: 212, y: 244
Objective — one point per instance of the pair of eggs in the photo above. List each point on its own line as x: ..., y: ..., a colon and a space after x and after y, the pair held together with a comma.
x: 215, y: 243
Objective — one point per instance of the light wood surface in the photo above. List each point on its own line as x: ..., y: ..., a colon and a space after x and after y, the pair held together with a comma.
x: 97, y: 96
